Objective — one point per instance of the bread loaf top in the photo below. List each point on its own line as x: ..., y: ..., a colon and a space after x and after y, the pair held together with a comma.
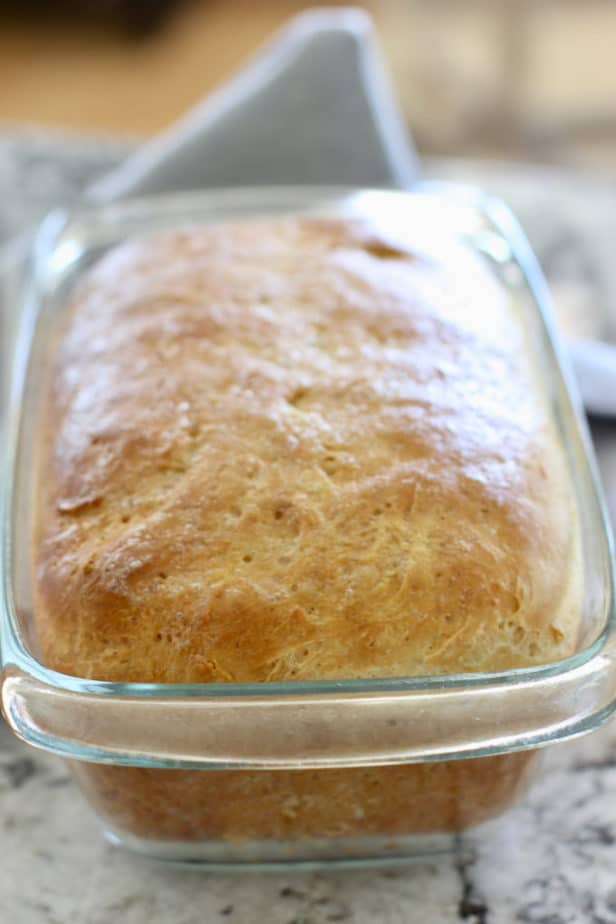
x: 298, y: 449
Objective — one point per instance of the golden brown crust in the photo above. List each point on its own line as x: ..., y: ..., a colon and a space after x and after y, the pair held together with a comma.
x: 242, y: 805
x: 298, y: 449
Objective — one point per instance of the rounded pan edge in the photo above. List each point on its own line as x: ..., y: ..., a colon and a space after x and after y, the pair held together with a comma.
x: 309, y: 731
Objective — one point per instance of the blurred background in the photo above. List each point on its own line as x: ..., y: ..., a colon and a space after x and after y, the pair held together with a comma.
x: 530, y: 80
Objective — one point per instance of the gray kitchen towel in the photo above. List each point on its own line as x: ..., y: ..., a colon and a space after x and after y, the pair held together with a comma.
x: 312, y: 107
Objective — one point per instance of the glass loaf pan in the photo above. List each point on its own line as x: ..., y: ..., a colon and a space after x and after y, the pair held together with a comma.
x: 322, y: 771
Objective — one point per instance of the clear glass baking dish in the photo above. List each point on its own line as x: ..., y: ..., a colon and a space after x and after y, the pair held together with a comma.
x: 334, y: 771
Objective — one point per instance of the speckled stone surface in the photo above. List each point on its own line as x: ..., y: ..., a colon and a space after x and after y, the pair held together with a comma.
x: 552, y: 860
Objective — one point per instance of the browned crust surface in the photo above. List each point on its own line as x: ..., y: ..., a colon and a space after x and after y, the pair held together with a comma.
x: 298, y: 449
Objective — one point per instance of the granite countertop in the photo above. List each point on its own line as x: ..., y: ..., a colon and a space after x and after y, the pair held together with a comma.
x: 549, y: 861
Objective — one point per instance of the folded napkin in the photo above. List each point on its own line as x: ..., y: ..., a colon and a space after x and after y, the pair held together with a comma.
x: 312, y: 107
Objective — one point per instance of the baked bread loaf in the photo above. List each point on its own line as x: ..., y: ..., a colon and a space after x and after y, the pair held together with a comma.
x: 298, y: 449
